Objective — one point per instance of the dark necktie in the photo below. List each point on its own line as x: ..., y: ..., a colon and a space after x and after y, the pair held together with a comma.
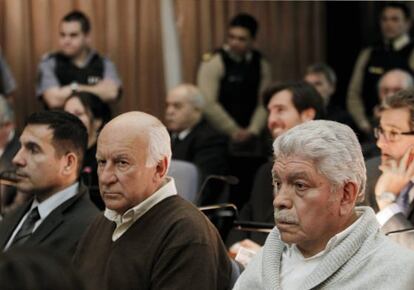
x: 174, y: 140
x: 27, y: 228
x: 404, y: 198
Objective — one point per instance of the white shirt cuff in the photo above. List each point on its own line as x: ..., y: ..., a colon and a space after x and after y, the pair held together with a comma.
x: 387, y: 213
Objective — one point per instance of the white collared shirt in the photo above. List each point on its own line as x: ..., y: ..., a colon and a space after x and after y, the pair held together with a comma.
x: 124, y: 221
x: 46, y: 207
x: 384, y: 215
x: 401, y: 42
x: 295, y: 268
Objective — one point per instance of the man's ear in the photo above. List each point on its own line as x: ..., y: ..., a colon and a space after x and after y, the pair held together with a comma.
x: 70, y: 163
x: 308, y: 114
x: 348, y: 197
x: 161, y: 168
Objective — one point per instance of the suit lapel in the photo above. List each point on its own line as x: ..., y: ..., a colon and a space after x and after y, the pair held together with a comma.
x: 54, y: 219
x: 8, y: 225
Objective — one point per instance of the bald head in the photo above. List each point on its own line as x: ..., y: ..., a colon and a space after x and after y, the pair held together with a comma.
x: 184, y: 107
x: 393, y: 82
x: 142, y: 126
x: 133, y: 155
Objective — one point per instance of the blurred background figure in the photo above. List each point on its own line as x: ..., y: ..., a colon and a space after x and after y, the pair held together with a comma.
x: 394, y: 81
x: 193, y: 139
x: 76, y: 67
x: 7, y: 82
x: 232, y: 78
x: 37, y: 268
x: 395, y: 51
x: 9, y: 145
x: 94, y: 114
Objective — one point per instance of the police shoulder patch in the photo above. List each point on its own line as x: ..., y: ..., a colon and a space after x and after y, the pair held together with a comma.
x: 207, y: 56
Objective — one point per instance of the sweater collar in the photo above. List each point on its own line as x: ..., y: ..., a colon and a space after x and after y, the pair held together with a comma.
x: 330, y: 263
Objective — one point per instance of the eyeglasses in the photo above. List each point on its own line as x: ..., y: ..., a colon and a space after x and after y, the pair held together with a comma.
x: 390, y: 136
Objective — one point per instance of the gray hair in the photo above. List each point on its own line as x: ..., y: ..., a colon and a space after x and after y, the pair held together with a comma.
x: 333, y: 147
x: 408, y: 79
x: 6, y: 112
x: 194, y: 95
x: 323, y: 68
x: 159, y: 143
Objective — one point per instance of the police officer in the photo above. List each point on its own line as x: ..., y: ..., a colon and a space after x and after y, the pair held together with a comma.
x: 76, y: 67
x: 231, y: 80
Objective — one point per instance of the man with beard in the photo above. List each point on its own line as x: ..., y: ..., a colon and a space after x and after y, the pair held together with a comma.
x: 289, y: 104
x: 321, y: 240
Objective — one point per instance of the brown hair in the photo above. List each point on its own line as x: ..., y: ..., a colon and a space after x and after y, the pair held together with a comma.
x: 401, y: 99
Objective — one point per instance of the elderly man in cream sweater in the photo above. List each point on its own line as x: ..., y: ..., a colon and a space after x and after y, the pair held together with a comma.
x: 321, y: 240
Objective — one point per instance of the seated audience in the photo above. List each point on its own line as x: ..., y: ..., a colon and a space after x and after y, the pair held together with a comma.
x: 391, y: 175
x: 48, y: 163
x: 321, y: 240
x: 394, y: 81
x: 7, y: 82
x: 39, y: 269
x: 288, y: 104
x: 9, y: 145
x: 94, y: 114
x: 195, y: 140
x: 323, y: 78
x: 148, y: 238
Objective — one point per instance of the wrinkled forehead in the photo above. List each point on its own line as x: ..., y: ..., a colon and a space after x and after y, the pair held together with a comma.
x: 288, y: 164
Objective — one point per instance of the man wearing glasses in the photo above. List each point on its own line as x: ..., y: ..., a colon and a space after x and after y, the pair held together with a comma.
x: 394, y: 190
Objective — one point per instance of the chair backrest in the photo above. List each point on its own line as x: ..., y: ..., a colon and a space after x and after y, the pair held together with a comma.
x: 187, y: 179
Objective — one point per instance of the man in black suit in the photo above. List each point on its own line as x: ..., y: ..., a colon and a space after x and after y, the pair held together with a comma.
x: 394, y: 192
x: 289, y: 104
x: 194, y: 140
x: 48, y: 164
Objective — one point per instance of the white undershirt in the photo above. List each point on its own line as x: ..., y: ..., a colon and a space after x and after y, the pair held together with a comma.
x: 295, y: 268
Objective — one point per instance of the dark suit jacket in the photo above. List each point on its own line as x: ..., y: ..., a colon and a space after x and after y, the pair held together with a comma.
x: 259, y: 208
x: 208, y: 150
x: 62, y: 228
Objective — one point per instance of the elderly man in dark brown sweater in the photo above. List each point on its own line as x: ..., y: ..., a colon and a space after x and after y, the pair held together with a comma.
x: 148, y: 238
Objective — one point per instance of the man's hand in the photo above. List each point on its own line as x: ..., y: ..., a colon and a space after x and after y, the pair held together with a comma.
x: 394, y: 177
x: 248, y: 244
x: 241, y: 135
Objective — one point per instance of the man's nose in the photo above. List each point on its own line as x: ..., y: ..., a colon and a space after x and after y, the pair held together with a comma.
x: 106, y: 175
x: 18, y: 159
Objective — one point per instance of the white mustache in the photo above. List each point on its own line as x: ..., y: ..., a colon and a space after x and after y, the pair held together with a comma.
x: 283, y: 216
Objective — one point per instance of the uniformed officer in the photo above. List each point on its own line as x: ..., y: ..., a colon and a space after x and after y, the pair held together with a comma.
x: 395, y: 51
x: 76, y: 67
x: 231, y: 80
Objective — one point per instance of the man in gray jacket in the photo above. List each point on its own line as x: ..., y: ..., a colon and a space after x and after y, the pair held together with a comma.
x: 321, y: 240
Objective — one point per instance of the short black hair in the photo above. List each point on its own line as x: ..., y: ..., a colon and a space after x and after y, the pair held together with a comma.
x: 397, y: 5
x: 304, y: 96
x: 69, y: 133
x: 246, y: 21
x: 80, y: 17
x: 94, y: 105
